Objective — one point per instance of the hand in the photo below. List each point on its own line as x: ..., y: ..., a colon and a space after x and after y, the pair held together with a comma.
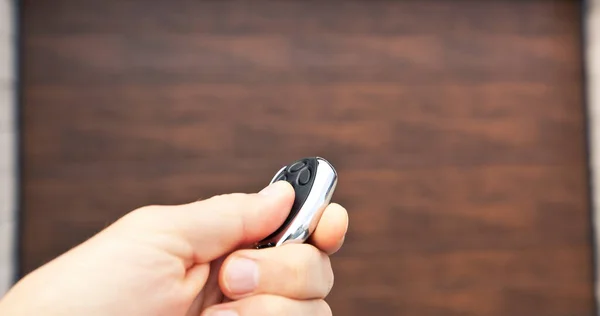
x: 191, y: 259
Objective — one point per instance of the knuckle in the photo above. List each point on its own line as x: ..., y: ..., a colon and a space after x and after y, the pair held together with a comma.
x: 230, y: 206
x: 300, y: 274
x: 145, y: 210
x: 311, y: 253
x: 143, y: 218
x: 141, y: 214
x: 235, y: 203
x: 311, y: 270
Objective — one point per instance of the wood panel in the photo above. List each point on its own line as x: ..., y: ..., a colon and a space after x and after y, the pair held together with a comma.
x: 457, y: 129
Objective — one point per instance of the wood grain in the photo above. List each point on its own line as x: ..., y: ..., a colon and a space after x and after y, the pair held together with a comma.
x: 457, y: 128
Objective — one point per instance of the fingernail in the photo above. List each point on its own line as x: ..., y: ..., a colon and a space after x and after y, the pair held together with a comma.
x: 223, y: 313
x: 241, y: 276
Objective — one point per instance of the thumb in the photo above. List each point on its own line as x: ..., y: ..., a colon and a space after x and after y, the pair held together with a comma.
x: 221, y: 224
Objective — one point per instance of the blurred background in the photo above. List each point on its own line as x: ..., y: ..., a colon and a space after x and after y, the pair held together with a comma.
x: 459, y: 130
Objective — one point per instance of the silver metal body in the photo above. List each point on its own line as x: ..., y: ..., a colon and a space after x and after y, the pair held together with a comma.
x: 305, y: 222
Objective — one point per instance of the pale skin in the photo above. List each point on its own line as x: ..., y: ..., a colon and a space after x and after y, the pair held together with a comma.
x: 191, y: 259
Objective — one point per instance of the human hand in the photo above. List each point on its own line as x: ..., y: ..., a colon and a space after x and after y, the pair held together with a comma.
x: 190, y: 259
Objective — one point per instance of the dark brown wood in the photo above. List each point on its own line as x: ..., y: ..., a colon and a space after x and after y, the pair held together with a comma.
x: 457, y: 128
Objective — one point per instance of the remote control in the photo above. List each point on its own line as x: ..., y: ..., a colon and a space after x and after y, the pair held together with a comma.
x: 314, y: 179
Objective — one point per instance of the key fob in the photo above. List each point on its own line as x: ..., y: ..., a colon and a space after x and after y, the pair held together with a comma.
x: 314, y: 179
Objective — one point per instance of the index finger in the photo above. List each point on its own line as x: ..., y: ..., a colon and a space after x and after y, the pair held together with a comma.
x: 331, y: 229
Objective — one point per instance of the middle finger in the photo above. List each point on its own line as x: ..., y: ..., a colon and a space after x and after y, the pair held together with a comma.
x: 296, y: 271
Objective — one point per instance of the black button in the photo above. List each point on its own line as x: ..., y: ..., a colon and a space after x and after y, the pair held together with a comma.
x: 297, y: 166
x: 281, y: 177
x: 304, y: 176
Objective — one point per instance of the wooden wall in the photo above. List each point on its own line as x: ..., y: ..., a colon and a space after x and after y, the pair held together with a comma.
x: 457, y: 128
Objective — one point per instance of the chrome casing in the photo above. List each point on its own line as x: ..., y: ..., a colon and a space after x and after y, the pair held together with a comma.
x: 303, y: 225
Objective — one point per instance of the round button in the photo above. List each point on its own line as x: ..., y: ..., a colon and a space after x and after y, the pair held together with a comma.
x: 281, y: 177
x: 297, y: 166
x: 304, y: 176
